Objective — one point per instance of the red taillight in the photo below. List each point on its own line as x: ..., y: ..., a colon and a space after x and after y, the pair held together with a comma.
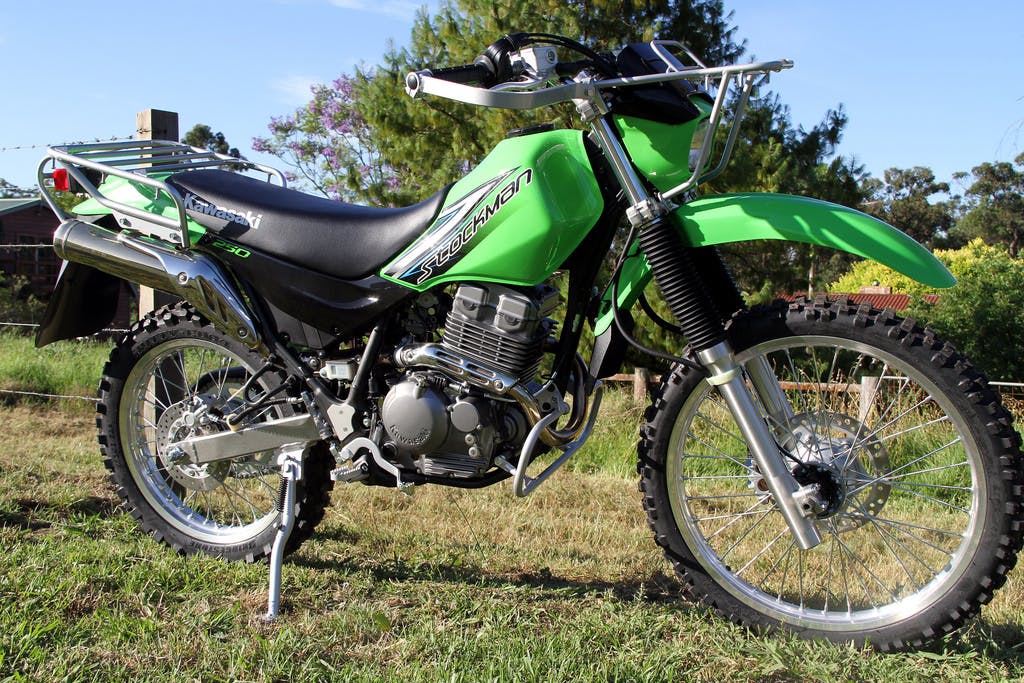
x: 60, y: 180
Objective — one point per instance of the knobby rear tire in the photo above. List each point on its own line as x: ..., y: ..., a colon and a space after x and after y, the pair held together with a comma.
x: 228, y: 509
x: 891, y: 571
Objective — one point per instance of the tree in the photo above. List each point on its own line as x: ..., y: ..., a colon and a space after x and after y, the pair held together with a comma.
x: 330, y: 145
x: 9, y: 191
x: 368, y: 141
x: 983, y: 314
x: 364, y: 139
x: 902, y: 200
x: 864, y: 272
x: 994, y: 204
x: 17, y: 301
x: 202, y: 136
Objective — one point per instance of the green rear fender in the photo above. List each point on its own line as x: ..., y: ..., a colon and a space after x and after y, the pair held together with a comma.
x: 726, y: 218
x: 141, y: 197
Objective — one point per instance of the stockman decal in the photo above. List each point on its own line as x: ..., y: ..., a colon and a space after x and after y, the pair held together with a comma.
x: 443, y: 243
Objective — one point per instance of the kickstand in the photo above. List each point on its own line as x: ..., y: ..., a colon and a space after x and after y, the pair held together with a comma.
x: 291, y: 473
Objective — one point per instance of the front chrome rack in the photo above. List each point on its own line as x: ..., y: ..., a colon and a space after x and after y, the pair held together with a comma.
x: 717, y: 80
x: 139, y: 161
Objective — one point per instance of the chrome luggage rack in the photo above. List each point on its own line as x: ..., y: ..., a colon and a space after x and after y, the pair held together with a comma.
x: 535, y: 90
x: 139, y: 161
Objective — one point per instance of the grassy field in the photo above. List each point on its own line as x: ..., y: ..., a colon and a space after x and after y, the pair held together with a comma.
x: 445, y: 585
x: 442, y: 586
x: 65, y: 368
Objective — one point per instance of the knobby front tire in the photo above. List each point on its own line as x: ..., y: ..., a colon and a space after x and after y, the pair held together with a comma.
x: 916, y: 454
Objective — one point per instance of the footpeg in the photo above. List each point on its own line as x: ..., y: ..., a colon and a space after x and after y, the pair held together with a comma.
x: 351, y: 471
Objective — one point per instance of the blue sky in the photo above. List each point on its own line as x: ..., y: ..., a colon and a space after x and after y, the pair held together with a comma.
x: 924, y: 83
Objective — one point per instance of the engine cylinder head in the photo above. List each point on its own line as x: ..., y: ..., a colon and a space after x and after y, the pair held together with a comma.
x: 500, y: 327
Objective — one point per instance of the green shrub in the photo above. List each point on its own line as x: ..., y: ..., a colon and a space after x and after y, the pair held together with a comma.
x: 983, y: 314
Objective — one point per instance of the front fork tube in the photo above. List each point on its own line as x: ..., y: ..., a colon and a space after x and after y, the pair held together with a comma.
x: 766, y: 386
x: 725, y: 374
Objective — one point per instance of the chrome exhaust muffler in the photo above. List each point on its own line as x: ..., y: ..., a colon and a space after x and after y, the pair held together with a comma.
x: 192, y: 276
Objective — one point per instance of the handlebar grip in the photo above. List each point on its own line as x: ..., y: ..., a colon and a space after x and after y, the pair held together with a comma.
x: 467, y: 74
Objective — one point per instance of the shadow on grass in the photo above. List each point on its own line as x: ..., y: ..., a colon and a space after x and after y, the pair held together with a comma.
x: 35, y: 515
x: 656, y: 588
x: 1002, y: 642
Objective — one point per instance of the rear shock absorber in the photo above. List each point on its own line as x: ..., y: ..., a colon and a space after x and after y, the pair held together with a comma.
x: 679, y: 280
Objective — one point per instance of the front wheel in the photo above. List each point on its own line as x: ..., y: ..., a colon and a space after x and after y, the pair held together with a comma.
x: 914, y: 457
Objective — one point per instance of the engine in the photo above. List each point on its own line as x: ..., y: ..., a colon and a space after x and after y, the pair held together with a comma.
x: 501, y: 328
x: 444, y: 426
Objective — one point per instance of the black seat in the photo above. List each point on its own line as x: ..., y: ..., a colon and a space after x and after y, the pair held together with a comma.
x: 343, y: 240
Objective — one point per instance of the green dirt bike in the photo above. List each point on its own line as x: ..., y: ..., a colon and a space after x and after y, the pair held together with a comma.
x: 821, y: 467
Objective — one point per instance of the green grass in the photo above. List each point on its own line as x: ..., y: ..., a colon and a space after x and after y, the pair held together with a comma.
x: 66, y: 368
x: 445, y: 585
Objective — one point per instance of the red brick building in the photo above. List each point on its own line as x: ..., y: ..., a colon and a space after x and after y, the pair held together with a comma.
x: 26, y: 231
x: 28, y: 222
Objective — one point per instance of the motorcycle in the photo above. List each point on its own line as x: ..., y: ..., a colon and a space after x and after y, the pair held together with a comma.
x: 819, y: 467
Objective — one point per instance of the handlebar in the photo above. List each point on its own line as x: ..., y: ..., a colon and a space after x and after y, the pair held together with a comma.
x: 466, y: 74
x: 426, y: 82
x: 488, y: 82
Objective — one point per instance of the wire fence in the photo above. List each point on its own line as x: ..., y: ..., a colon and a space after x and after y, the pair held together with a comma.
x: 640, y: 379
x: 44, y: 145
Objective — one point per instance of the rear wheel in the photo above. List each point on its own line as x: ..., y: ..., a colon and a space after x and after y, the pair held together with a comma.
x: 916, y: 461
x: 172, y: 366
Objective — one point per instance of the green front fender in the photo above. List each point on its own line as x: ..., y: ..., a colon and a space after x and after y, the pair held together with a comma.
x: 726, y: 218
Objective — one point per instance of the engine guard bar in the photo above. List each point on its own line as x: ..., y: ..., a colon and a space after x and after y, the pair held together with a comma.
x: 522, y: 484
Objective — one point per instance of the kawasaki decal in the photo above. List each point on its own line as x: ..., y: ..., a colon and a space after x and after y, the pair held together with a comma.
x: 443, y: 243
x: 199, y: 205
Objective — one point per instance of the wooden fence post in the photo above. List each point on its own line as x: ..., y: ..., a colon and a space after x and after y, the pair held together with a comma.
x: 155, y: 124
x: 641, y: 379
x: 868, y: 391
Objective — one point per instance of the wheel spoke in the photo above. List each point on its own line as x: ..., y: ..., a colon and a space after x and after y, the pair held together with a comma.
x: 204, y: 502
x: 750, y: 511
x: 730, y: 515
x: 746, y: 533
x: 722, y: 455
x: 886, y: 535
x: 880, y: 436
x: 868, y: 570
x: 715, y: 425
x: 755, y: 558
x: 903, y: 530
x: 886, y: 476
x: 784, y: 557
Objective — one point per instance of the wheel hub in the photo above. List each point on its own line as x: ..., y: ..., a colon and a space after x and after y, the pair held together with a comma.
x: 855, y: 460
x: 178, y: 422
x: 841, y: 458
x: 829, y: 487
